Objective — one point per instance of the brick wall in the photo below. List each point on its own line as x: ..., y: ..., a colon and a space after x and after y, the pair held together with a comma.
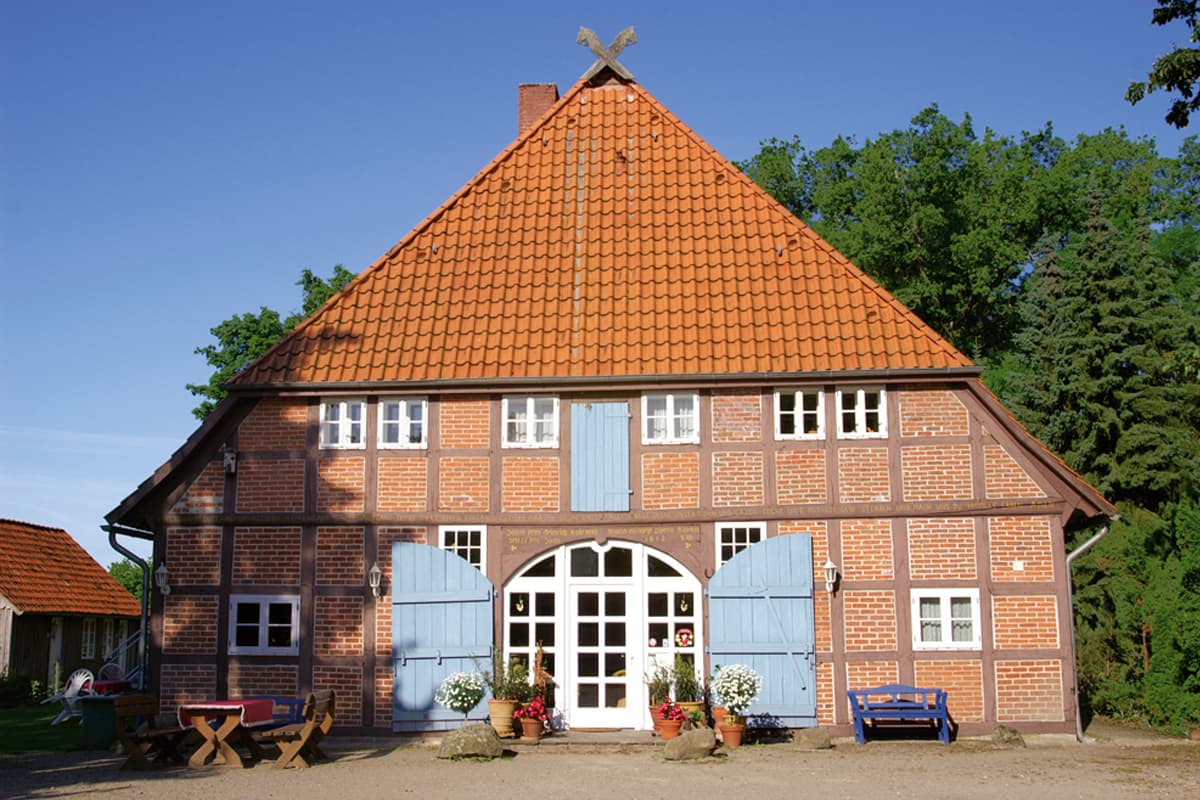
x: 932, y: 414
x: 276, y: 424
x: 385, y: 537
x: 800, y: 476
x: 737, y: 479
x: 736, y: 417
x: 863, y: 475
x: 866, y: 550
x: 383, y: 696
x: 1021, y: 549
x: 270, y: 485
x: 530, y: 484
x: 206, y: 494
x: 865, y: 674
x: 346, y: 682
x: 340, y: 483
x: 340, y: 557
x: 670, y: 480
x: 1025, y: 622
x: 190, y: 625
x: 338, y: 626
x: 818, y: 530
x: 1005, y: 477
x: 403, y: 484
x: 941, y: 549
x: 963, y: 682
x: 825, y: 693
x: 185, y: 683
x: 937, y: 472
x: 266, y: 556
x: 463, y: 484
x: 1029, y: 690
x: 464, y: 423
x: 248, y: 680
x: 194, y: 556
x: 870, y: 620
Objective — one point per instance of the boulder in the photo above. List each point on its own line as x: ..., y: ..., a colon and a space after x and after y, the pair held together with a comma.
x: 1004, y: 736
x: 811, y: 739
x: 478, y: 740
x: 691, y: 745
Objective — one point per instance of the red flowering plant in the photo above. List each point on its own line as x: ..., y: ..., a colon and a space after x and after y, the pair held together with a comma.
x: 667, y: 710
x: 534, y: 709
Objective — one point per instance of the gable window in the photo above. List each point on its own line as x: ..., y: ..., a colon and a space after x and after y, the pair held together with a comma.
x: 945, y: 619
x: 530, y: 421
x: 342, y: 423
x: 468, y: 542
x: 734, y: 538
x: 799, y: 414
x: 87, y: 639
x: 402, y: 421
x: 264, y: 624
x: 670, y: 418
x: 862, y: 413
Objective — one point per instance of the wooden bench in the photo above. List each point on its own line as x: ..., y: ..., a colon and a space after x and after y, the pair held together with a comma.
x: 287, y: 710
x: 135, y: 715
x: 899, y: 703
x: 300, y: 743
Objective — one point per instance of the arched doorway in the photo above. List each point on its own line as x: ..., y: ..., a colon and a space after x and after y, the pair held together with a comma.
x: 605, y: 615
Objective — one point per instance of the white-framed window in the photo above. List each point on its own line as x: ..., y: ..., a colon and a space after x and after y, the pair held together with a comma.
x: 946, y: 619
x: 264, y: 624
x: 87, y: 638
x: 342, y: 423
x: 799, y: 414
x: 861, y: 413
x: 403, y: 422
x: 670, y: 418
x: 469, y: 542
x: 106, y: 637
x: 530, y: 421
x: 734, y: 537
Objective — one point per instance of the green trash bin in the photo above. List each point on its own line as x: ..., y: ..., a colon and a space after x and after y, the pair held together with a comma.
x: 99, y: 722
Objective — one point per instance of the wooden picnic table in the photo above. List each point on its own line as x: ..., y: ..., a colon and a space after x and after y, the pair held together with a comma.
x: 225, y: 725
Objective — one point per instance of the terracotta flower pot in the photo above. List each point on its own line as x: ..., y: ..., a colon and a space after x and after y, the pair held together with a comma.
x: 731, y: 735
x: 718, y: 715
x: 531, y: 729
x: 669, y: 728
x: 501, y: 715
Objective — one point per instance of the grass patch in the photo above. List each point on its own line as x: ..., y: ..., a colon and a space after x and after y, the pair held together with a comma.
x: 27, y: 729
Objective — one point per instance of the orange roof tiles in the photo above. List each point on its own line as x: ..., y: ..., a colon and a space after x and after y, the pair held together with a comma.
x: 43, y: 570
x: 608, y: 241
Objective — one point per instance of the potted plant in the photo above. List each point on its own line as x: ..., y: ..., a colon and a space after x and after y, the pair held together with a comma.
x: 461, y: 692
x: 509, y: 685
x: 532, y: 719
x: 658, y: 687
x: 689, y: 694
x: 670, y: 719
x: 736, y: 687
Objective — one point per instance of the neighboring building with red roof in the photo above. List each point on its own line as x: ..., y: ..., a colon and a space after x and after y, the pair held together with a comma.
x: 59, y: 609
x: 613, y: 403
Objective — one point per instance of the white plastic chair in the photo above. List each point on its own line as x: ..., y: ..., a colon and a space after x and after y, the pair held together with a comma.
x: 111, y: 672
x: 79, y: 683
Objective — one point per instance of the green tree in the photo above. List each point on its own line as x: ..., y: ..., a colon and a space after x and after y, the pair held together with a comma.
x: 129, y: 575
x: 244, y: 337
x: 1177, y: 71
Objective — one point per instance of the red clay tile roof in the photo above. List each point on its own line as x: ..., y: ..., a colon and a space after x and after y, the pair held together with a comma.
x: 607, y: 241
x: 43, y: 570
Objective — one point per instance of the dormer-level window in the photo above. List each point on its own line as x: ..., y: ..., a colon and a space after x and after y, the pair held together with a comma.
x: 342, y: 423
x: 403, y: 422
x: 799, y: 414
x: 670, y: 418
x: 862, y: 413
x: 530, y: 421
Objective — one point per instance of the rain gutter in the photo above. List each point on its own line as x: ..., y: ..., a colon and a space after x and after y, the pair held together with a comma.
x: 113, y: 531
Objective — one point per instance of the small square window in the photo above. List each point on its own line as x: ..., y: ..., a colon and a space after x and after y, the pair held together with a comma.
x: 530, y: 421
x: 862, y: 413
x: 342, y: 423
x: 946, y: 619
x: 469, y: 543
x: 403, y: 422
x: 264, y: 624
x: 799, y: 414
x: 670, y: 418
x: 733, y: 538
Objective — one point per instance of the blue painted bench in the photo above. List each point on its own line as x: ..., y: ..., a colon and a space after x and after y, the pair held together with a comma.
x: 899, y: 703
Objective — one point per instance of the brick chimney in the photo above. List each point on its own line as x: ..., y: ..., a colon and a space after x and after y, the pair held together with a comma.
x: 536, y: 99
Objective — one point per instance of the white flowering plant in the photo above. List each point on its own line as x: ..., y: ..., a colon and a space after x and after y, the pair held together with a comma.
x: 736, y: 686
x: 461, y: 692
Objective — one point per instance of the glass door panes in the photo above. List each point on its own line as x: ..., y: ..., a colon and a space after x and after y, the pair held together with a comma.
x: 601, y: 632
x: 671, y: 623
x: 531, y: 623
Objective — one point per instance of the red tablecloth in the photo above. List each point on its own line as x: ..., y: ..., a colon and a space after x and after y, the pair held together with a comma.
x: 254, y: 711
x: 111, y: 687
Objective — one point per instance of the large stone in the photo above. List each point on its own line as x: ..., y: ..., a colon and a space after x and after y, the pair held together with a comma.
x: 811, y: 739
x: 1004, y: 736
x: 472, y: 741
x: 690, y: 745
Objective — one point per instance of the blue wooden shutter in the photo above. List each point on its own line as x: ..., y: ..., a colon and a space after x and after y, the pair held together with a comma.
x: 760, y: 612
x: 599, y: 457
x: 441, y: 623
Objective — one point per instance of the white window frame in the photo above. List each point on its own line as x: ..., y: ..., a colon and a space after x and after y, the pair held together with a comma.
x: 343, y: 438
x: 860, y: 412
x: 264, y: 601
x: 946, y: 642
x: 731, y: 527
x: 672, y: 436
x: 528, y: 439
x: 87, y: 638
x: 404, y: 422
x: 465, y: 551
x: 799, y: 413
x: 107, y: 632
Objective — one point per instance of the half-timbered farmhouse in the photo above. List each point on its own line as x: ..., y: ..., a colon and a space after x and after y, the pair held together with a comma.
x: 612, y: 398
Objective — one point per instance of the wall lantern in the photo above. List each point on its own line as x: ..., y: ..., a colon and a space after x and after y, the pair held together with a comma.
x: 230, y: 460
x: 162, y: 577
x: 374, y: 579
x: 830, y: 575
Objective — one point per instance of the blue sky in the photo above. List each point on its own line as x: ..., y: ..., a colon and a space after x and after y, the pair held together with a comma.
x: 164, y: 165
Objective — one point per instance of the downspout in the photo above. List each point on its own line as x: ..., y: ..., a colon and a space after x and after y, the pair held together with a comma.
x: 1076, y: 553
x: 113, y: 531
